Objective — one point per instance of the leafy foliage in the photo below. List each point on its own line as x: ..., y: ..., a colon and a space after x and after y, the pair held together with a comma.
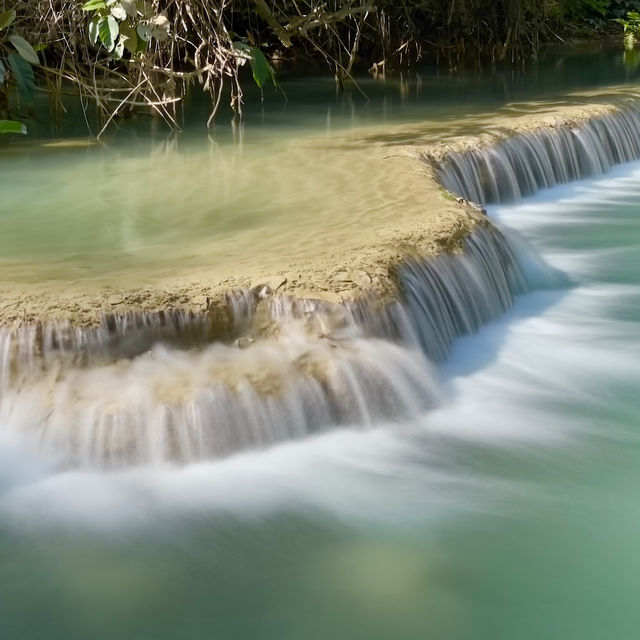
x: 631, y: 24
x: 7, y: 18
x: 132, y: 54
x: 16, y: 59
x: 24, y: 77
x: 125, y: 25
x: 11, y: 126
x: 25, y: 50
x: 620, y: 8
x: 108, y: 32
x: 262, y: 70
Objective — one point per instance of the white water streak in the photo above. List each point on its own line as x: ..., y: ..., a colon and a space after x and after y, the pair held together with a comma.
x: 525, y: 163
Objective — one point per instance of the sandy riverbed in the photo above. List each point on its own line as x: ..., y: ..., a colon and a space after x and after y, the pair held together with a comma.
x: 361, y: 202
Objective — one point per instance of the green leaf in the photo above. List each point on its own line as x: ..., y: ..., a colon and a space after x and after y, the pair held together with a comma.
x: 262, y: 70
x: 142, y: 45
x: 130, y: 7
x: 146, y: 10
x: 108, y: 31
x: 7, y: 18
x: 129, y: 37
x: 11, y: 126
x: 24, y: 49
x: 144, y: 32
x: 93, y: 30
x: 118, y: 12
x: 23, y: 73
x: 94, y: 5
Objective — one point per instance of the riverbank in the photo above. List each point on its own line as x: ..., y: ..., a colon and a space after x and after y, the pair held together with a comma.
x: 366, y: 203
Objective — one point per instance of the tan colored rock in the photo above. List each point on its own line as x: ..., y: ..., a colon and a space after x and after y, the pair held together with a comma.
x: 380, y: 203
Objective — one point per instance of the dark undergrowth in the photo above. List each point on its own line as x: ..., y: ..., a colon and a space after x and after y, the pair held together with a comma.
x: 128, y: 55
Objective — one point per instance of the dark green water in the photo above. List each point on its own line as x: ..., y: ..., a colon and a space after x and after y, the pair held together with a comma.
x: 512, y: 512
x: 310, y: 102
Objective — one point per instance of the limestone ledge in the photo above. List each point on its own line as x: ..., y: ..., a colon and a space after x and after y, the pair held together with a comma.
x: 371, y: 275
x: 428, y: 222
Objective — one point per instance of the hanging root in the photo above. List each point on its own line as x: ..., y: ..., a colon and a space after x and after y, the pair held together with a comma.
x: 206, y: 42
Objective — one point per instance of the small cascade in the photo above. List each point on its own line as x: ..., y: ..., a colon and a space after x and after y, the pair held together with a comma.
x: 169, y: 387
x: 524, y: 163
x: 34, y: 348
x: 453, y: 295
x: 170, y: 405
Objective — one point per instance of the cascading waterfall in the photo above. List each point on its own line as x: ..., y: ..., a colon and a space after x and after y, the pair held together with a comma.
x: 31, y: 348
x: 156, y: 388
x: 176, y: 386
x: 454, y: 295
x: 524, y: 163
x: 185, y: 406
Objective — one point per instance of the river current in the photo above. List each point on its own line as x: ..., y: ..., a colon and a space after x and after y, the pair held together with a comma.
x: 510, y: 511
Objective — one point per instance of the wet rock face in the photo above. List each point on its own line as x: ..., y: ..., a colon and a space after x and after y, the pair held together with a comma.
x: 178, y: 405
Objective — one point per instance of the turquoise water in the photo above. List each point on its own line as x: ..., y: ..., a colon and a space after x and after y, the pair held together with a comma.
x: 149, y: 203
x: 510, y: 512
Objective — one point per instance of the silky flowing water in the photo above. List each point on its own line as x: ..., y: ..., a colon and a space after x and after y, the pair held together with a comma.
x: 506, y: 508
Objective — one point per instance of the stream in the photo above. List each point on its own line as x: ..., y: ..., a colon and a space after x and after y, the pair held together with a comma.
x: 486, y: 489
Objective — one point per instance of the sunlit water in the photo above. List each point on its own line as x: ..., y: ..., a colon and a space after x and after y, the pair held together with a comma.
x: 510, y: 512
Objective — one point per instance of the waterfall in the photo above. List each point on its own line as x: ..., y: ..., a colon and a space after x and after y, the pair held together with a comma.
x: 524, y: 163
x: 453, y: 295
x: 170, y: 405
x: 174, y: 387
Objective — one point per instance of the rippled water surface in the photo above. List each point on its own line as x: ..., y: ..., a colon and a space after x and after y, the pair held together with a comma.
x: 512, y: 511
x: 147, y: 204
